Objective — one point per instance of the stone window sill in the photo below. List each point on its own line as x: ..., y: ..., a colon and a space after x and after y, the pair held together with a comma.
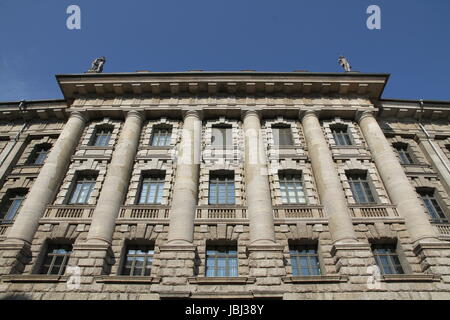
x: 315, y: 279
x: 410, y: 277
x: 95, y: 148
x: 155, y: 148
x: 34, y: 278
x: 127, y: 279
x: 221, y: 280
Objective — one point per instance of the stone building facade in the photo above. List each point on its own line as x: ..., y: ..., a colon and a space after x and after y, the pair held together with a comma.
x: 291, y: 185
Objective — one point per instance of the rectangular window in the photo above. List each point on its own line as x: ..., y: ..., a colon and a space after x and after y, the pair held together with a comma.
x: 341, y: 135
x: 151, y: 190
x: 161, y: 137
x: 304, y: 260
x: 291, y: 188
x: 403, y: 153
x: 221, y: 261
x: 360, y: 188
x: 432, y: 206
x: 101, y: 137
x: 138, y: 260
x: 82, y: 190
x: 222, y: 138
x: 12, y: 205
x: 56, y: 259
x: 282, y: 136
x: 387, y: 259
x: 221, y: 189
x: 39, y: 155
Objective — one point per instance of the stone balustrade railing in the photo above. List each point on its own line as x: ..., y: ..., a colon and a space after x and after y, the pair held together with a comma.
x: 144, y: 212
x: 374, y: 211
x: 222, y: 212
x: 298, y: 212
x: 69, y: 212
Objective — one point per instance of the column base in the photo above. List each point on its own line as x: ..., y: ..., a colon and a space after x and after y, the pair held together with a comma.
x: 434, y: 258
x: 266, y: 263
x: 94, y: 259
x: 176, y: 263
x: 353, y: 259
x: 14, y: 256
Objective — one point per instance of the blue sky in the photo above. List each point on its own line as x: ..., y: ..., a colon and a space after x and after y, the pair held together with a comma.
x: 413, y: 44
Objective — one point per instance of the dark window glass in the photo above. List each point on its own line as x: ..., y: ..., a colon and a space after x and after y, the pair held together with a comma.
x: 360, y: 188
x: 387, y: 259
x: 138, y: 260
x: 12, y: 205
x: 161, y: 136
x: 221, y: 189
x: 432, y: 205
x: 403, y: 153
x: 39, y: 154
x: 304, y: 260
x: 282, y: 136
x: 222, y: 137
x: 291, y: 188
x: 56, y: 259
x: 221, y: 261
x: 341, y: 135
x: 152, y: 188
x: 82, y: 190
x: 101, y: 137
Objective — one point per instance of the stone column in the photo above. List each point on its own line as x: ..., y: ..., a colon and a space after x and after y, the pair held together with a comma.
x: 395, y: 180
x: 116, y: 181
x: 185, y: 190
x: 15, y: 248
x: 259, y: 200
x: 432, y: 156
x: 176, y: 258
x: 328, y: 183
x: 46, y: 185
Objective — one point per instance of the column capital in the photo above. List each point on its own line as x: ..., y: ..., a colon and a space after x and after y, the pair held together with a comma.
x: 304, y: 113
x: 361, y: 114
x: 136, y: 113
x: 80, y: 115
x: 193, y: 113
x: 251, y: 112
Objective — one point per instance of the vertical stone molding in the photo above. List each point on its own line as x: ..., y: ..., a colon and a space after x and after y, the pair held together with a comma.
x: 185, y: 190
x: 259, y: 200
x: 329, y: 185
x: 397, y: 185
x: 46, y: 185
x: 10, y: 155
x: 435, y: 159
x: 116, y: 180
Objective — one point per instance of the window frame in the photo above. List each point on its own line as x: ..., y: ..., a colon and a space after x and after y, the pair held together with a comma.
x: 147, y: 259
x: 161, y: 133
x: 284, y: 189
x: 365, y: 186
x: 101, y: 134
x: 403, y: 152
x: 11, y: 197
x: 37, y: 152
x: 429, y: 200
x: 226, y: 181
x: 82, y: 179
x: 217, y: 252
x: 53, y: 256
x: 226, y: 137
x: 341, y: 135
x: 312, y: 259
x: 158, y: 179
x: 391, y: 256
x: 284, y: 132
